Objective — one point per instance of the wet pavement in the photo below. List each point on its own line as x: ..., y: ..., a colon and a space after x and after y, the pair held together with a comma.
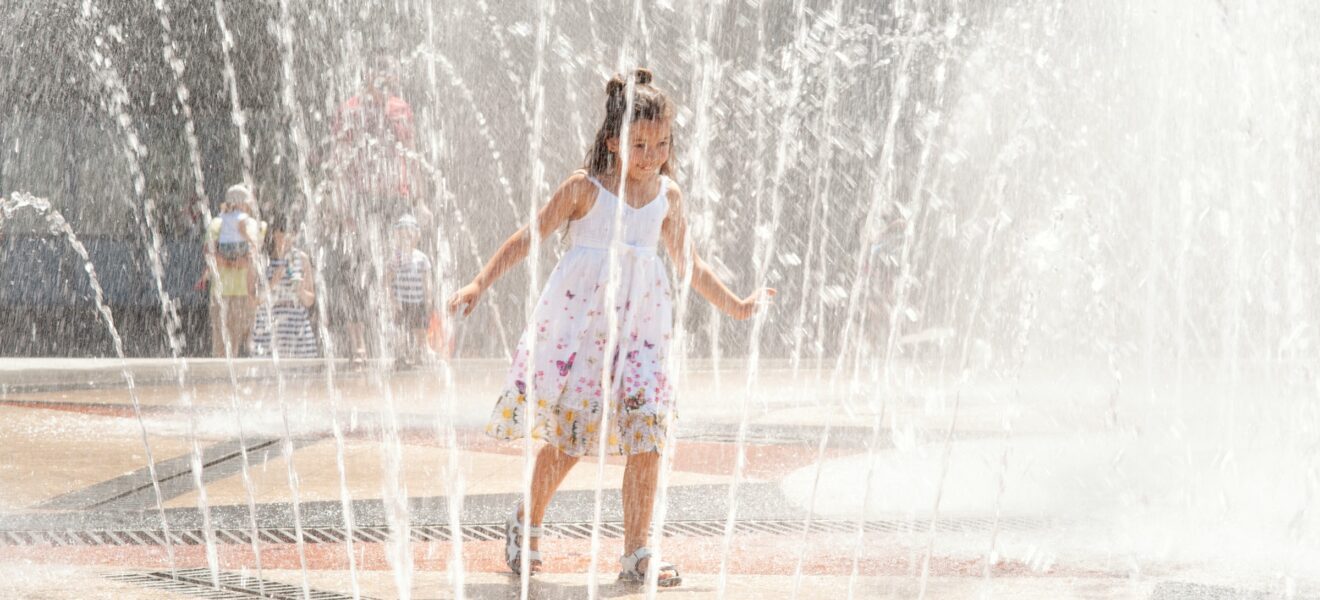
x: 838, y: 494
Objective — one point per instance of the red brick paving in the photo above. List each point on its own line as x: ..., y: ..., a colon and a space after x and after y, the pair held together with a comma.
x: 88, y: 408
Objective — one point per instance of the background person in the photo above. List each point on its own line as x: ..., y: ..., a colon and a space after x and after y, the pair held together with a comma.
x: 231, y: 238
x: 285, y: 325
x: 374, y: 163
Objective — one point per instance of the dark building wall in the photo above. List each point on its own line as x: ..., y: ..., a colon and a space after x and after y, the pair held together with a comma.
x: 62, y: 139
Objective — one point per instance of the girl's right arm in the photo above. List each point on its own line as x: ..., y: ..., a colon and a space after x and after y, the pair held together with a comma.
x: 569, y: 202
x: 390, y: 274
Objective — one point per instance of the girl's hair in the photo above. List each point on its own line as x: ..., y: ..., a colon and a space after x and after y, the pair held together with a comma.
x: 648, y: 103
x: 282, y: 223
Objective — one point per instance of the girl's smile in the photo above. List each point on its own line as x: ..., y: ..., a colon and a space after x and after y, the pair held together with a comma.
x: 648, y: 146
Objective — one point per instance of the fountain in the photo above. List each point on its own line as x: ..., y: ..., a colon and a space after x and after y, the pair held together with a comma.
x: 1044, y: 326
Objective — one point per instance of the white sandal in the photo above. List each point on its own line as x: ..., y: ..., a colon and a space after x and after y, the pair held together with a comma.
x: 632, y: 575
x: 513, y: 533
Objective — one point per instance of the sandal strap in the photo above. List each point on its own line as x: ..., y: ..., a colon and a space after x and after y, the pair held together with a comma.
x: 632, y: 573
x: 512, y: 550
x: 630, y: 560
x: 516, y: 525
x: 535, y: 532
x: 514, y: 557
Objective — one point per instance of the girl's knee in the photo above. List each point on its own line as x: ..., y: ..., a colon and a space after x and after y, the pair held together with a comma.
x: 645, y: 459
x: 552, y: 452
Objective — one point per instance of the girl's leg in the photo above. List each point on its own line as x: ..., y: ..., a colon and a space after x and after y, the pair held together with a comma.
x: 358, y: 337
x: 250, y: 266
x: 242, y: 314
x: 552, y: 466
x: 217, y: 327
x: 417, y: 345
x: 235, y: 320
x: 640, y: 477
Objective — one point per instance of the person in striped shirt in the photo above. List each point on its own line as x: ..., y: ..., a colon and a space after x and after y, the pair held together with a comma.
x: 284, y: 326
x: 408, y: 282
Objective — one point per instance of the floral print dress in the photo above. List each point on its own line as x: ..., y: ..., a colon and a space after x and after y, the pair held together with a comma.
x: 558, y: 372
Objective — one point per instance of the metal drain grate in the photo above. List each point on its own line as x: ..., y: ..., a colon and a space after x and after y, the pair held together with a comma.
x: 490, y: 531
x: 232, y: 586
x: 1179, y: 590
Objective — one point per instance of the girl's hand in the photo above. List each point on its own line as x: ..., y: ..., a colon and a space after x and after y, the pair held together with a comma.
x: 466, y: 297
x: 759, y: 299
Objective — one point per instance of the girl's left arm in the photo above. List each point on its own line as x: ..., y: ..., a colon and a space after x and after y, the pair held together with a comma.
x: 428, y: 291
x: 307, y: 290
x: 704, y: 280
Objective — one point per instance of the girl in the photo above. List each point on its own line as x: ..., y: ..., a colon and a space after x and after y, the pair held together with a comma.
x: 292, y: 293
x: 570, y: 337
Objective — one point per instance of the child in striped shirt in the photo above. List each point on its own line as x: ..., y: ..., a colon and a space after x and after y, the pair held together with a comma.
x: 408, y: 282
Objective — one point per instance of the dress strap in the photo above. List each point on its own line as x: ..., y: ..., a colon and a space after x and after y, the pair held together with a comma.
x: 664, y: 185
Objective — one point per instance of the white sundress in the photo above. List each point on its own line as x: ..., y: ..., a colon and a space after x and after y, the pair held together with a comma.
x: 569, y: 334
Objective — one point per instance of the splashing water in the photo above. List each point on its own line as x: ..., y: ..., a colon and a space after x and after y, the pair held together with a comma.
x: 1029, y: 253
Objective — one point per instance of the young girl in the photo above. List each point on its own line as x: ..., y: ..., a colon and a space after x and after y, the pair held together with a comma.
x: 570, y: 337
x: 292, y: 293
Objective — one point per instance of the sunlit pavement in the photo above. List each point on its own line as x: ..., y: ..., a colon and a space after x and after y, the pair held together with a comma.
x: 884, y: 508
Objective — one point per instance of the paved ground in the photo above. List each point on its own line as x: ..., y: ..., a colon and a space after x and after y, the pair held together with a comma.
x: 941, y: 487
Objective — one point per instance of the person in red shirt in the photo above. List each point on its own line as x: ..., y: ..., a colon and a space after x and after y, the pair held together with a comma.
x: 374, y: 134
x: 374, y: 162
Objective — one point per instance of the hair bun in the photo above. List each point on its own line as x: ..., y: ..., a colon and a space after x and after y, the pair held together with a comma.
x: 616, y: 84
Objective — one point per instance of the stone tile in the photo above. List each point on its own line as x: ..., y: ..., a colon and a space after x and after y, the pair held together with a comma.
x: 56, y: 452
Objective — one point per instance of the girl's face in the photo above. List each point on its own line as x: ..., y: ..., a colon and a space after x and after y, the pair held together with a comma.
x: 283, y: 240
x: 648, y: 148
x: 405, y: 238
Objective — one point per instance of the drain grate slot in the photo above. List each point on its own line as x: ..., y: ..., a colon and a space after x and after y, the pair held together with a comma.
x: 322, y: 535
x: 429, y: 534
x: 483, y: 533
x: 280, y: 536
x: 192, y: 538
x: 369, y: 534
x: 231, y: 536
x: 56, y: 538
x: 133, y: 537
x: 573, y: 530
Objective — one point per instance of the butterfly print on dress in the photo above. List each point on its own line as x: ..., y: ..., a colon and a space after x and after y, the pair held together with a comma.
x: 564, y: 366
